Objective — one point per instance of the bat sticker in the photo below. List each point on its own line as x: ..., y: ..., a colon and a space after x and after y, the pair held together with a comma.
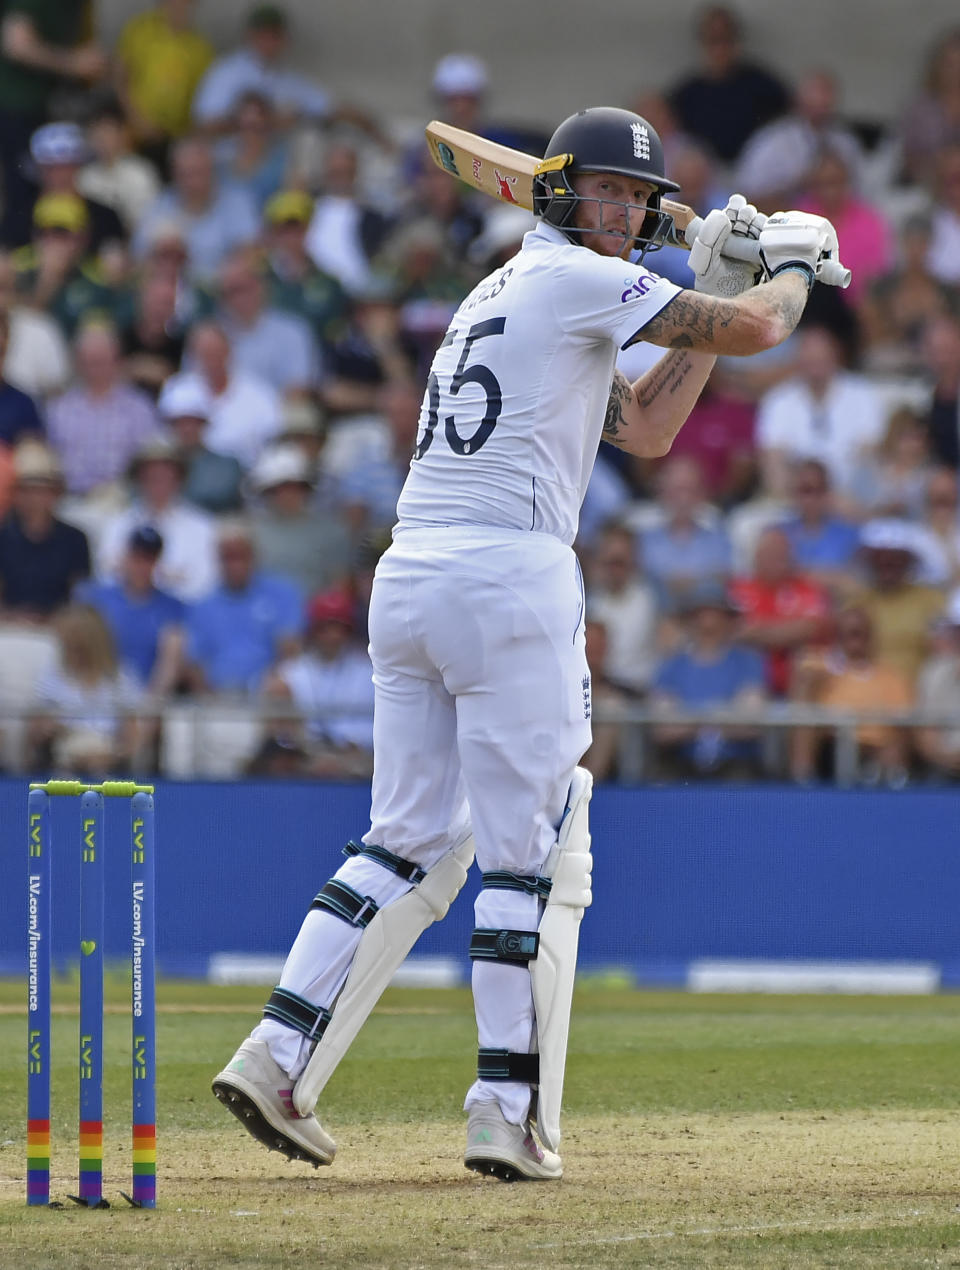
x: 448, y: 162
x: 504, y: 186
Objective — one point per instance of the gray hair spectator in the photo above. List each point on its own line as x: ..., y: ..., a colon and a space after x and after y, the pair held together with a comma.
x: 244, y: 409
x: 278, y: 347
x: 625, y: 605
x: 99, y: 423
x: 214, y: 218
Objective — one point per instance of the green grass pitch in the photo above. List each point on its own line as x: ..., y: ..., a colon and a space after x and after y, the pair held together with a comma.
x: 700, y: 1131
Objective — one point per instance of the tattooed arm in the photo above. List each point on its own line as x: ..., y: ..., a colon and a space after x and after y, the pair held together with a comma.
x: 758, y: 319
x: 643, y: 418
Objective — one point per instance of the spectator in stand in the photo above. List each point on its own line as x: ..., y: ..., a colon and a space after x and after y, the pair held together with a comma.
x: 41, y: 557
x: 427, y: 284
x: 894, y: 482
x: 252, y: 621
x: 896, y: 308
x: 686, y: 546
x: 88, y: 724
x: 941, y: 526
x: 100, y: 423
x: 728, y: 96
x: 153, y: 340
x: 344, y: 234
x: 623, y: 603
x: 938, y: 693
x: 779, y: 159
x: 258, y: 67
x: 941, y: 355
x: 160, y: 60
x: 849, y: 677
x: 370, y: 348
x: 43, y: 47
x: 460, y: 91
x: 295, y: 538
x: 213, y: 481
x: 56, y: 272
x: 37, y: 361
x: 824, y: 545
x: 187, y: 567
x: 331, y: 685
x: 115, y: 176
x: 903, y: 612
x: 710, y: 672
x: 783, y: 609
x: 719, y: 435
x: 368, y: 490
x: 294, y: 283
x: 58, y: 152
x: 864, y: 236
x: 279, y: 348
x: 943, y: 254
x: 245, y: 410
x: 933, y: 119
x: 448, y: 207
x: 19, y: 416
x: 252, y: 155
x: 214, y: 218
x: 822, y: 412
x: 606, y: 698
x: 145, y: 622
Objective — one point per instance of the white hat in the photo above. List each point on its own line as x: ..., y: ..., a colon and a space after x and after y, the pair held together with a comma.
x: 460, y: 73
x: 503, y: 227
x: 59, y: 143
x: 185, y: 395
x: 279, y: 465
x: 889, y: 535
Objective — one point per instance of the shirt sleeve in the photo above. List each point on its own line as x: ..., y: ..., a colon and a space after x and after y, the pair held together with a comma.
x: 608, y: 298
x: 216, y: 92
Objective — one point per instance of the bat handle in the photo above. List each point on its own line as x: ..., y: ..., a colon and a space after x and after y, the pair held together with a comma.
x: 831, y: 272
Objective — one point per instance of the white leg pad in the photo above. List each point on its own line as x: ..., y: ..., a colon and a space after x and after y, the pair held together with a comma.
x: 552, y: 971
x: 382, y: 947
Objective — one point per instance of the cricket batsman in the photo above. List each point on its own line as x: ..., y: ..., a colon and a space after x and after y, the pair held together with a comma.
x: 477, y: 634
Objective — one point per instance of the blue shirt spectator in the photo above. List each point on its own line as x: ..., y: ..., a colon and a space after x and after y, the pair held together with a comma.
x: 247, y: 625
x: 823, y: 544
x: 138, y: 614
x: 19, y: 416
x: 212, y: 219
x: 256, y: 68
x: 681, y: 547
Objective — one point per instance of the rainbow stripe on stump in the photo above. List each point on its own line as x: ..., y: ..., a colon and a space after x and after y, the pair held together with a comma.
x: 38, y: 1161
x: 144, y: 1165
x: 91, y: 1162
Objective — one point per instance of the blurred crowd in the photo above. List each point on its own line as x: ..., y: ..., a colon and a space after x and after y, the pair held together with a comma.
x: 220, y: 291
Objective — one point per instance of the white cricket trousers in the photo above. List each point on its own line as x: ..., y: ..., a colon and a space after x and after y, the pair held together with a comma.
x: 482, y: 706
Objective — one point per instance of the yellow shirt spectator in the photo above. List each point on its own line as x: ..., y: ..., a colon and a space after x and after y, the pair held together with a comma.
x: 163, y: 60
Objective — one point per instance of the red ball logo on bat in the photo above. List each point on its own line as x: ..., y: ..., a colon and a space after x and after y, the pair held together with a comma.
x: 504, y: 184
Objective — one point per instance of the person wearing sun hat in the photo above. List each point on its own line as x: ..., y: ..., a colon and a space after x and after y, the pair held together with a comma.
x: 294, y: 283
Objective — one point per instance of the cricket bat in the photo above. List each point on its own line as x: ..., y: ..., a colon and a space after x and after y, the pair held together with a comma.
x: 507, y: 175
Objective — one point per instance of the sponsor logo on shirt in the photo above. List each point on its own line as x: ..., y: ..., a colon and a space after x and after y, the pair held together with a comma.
x: 636, y: 287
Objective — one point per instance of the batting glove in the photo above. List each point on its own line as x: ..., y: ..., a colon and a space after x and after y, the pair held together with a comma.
x: 797, y: 240
x: 715, y: 273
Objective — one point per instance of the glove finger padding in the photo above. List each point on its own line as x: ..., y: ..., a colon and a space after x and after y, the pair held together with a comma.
x: 715, y: 273
x: 744, y: 217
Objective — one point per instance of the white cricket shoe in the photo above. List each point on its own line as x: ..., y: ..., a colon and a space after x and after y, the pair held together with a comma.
x: 260, y: 1094
x: 507, y: 1151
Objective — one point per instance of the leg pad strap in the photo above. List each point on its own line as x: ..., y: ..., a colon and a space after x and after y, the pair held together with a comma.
x: 500, y: 880
x: 494, y: 1064
x: 405, y: 869
x: 296, y: 1012
x: 515, y: 946
x: 346, y: 903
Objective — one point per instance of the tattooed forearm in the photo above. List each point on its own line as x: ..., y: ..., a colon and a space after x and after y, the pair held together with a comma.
x: 690, y: 320
x: 614, y: 424
x: 667, y: 376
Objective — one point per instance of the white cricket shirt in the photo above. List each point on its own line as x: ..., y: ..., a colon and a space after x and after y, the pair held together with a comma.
x: 516, y: 397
